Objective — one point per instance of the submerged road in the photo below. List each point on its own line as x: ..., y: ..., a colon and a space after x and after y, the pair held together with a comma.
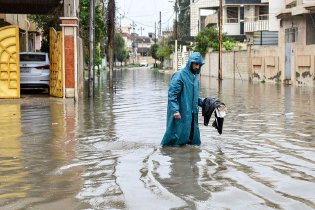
x: 105, y: 154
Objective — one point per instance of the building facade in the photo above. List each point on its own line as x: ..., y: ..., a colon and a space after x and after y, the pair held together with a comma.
x: 254, y: 19
x: 297, y: 41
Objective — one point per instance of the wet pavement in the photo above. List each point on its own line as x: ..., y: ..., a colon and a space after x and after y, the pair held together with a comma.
x: 105, y: 154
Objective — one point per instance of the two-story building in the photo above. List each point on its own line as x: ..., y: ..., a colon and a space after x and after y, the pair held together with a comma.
x: 143, y: 45
x: 297, y: 39
x: 255, y: 20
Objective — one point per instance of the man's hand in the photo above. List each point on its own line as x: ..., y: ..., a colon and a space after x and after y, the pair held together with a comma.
x: 177, y: 115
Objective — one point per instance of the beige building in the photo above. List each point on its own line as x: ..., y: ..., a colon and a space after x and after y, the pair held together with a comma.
x: 253, y: 20
x: 297, y: 38
x: 292, y: 61
x: 28, y: 33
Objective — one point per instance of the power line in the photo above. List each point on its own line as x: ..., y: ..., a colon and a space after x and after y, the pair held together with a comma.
x: 140, y: 23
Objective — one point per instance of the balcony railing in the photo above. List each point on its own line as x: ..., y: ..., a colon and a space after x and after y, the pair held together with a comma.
x: 256, y: 18
x: 243, y: 1
x: 231, y: 20
x: 258, y: 23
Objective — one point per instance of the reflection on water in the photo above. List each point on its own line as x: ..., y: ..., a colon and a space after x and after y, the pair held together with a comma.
x: 184, y: 175
x: 37, y: 139
x: 11, y: 167
x: 105, y: 154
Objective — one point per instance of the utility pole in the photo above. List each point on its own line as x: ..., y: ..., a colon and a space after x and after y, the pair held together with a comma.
x: 155, y: 43
x: 111, y: 33
x: 120, y: 23
x: 133, y: 25
x: 175, y: 30
x: 176, y: 11
x: 142, y: 50
x: 220, y: 42
x: 134, y: 54
x: 91, y: 46
x: 160, y: 24
x: 155, y: 33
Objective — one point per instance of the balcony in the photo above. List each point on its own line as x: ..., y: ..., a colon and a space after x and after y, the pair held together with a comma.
x: 259, y: 23
x: 294, y: 3
x: 211, y: 20
x: 300, y: 2
x: 243, y: 1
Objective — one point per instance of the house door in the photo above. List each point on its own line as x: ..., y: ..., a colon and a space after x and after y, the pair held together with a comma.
x: 291, y: 35
x: 288, y: 59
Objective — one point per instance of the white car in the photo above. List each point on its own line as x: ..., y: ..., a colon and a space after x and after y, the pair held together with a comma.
x: 34, y: 70
x: 143, y: 63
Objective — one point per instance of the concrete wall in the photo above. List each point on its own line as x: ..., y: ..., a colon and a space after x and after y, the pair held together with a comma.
x: 263, y: 64
x: 304, y: 67
x: 266, y: 64
x: 234, y: 65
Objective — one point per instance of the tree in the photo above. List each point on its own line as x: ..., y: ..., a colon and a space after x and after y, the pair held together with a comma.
x: 122, y: 56
x: 43, y: 23
x: 209, y: 38
x: 100, y: 29
x: 183, y: 23
x: 164, y: 51
x: 120, y: 52
x: 153, y: 52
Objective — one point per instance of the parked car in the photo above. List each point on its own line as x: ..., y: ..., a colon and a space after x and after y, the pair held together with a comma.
x: 34, y: 70
x: 143, y: 63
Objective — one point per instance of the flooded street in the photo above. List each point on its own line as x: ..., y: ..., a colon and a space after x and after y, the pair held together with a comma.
x: 105, y: 154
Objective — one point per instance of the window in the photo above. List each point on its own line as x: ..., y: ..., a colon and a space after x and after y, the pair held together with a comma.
x: 291, y: 35
x: 231, y: 15
x: 310, y: 29
x: 32, y: 57
x: 262, y: 12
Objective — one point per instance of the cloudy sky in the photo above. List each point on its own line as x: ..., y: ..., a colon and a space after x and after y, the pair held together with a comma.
x: 145, y: 13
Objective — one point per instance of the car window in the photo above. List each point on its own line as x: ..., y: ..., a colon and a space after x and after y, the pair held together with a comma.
x: 32, y: 57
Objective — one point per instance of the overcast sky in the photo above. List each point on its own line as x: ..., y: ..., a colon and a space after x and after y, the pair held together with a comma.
x: 145, y: 13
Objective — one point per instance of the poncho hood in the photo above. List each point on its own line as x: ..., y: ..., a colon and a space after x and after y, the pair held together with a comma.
x: 195, y: 58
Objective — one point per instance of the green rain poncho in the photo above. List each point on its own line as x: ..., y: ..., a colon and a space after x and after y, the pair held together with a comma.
x: 183, y: 97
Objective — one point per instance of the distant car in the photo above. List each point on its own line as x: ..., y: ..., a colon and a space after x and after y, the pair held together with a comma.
x: 34, y: 70
x: 144, y: 63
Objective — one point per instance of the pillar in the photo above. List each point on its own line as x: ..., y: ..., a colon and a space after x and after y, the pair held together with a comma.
x: 70, y: 31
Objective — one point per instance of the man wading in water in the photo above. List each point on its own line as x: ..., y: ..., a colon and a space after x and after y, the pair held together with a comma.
x: 183, y: 101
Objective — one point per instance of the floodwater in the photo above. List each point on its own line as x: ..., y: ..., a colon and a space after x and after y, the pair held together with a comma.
x: 105, y: 154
